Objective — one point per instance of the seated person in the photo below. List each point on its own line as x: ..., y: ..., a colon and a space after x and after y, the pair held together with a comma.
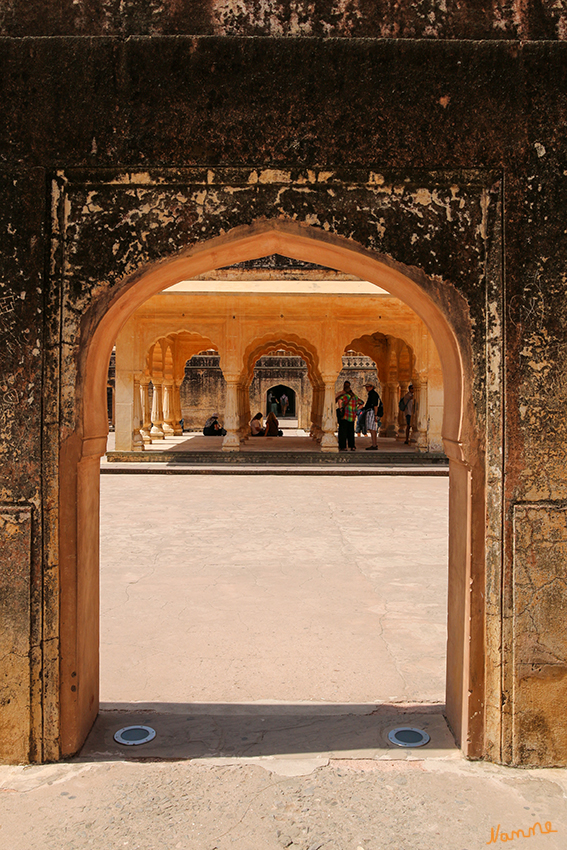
x: 256, y: 426
x: 213, y: 428
x: 272, y: 426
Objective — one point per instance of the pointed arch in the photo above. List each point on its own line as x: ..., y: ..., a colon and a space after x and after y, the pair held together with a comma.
x: 300, y: 347
x: 80, y: 452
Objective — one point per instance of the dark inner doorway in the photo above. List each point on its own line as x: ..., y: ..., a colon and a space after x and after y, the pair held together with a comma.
x: 277, y: 393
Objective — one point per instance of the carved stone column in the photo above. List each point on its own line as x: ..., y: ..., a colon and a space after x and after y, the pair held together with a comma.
x: 137, y: 439
x: 176, y: 404
x: 316, y: 430
x: 231, y: 442
x: 146, y: 416
x: 421, y: 414
x: 385, y: 395
x: 157, y: 414
x: 329, y: 419
x: 244, y: 414
x: 392, y: 424
x: 168, y: 428
x: 401, y: 415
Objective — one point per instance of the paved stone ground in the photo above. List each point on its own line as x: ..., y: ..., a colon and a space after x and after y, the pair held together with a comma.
x: 343, y: 805
x: 293, y: 440
x: 291, y: 750
x: 224, y: 589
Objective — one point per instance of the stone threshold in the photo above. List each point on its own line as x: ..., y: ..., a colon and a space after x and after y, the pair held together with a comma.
x: 290, y: 459
x: 246, y: 469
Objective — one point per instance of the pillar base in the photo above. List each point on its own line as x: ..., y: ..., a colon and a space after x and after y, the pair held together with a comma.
x: 156, y: 433
x: 137, y: 443
x: 329, y: 443
x: 316, y: 433
x: 231, y: 443
x: 422, y: 442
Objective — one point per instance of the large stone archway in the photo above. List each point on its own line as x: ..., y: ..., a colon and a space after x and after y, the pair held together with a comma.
x: 82, y: 448
x: 446, y: 154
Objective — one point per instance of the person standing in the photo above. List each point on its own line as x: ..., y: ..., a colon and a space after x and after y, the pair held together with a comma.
x: 348, y: 403
x: 272, y: 403
x: 370, y: 411
x: 284, y: 403
x: 408, y: 401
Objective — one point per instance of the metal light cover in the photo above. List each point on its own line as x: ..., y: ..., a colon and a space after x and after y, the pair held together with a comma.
x: 407, y: 736
x: 131, y: 736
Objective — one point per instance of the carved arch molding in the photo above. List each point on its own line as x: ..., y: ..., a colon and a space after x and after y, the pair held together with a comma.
x: 440, y: 230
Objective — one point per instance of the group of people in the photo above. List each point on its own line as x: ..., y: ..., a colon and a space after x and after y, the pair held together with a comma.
x: 270, y: 429
x: 272, y: 426
x: 273, y: 402
x: 350, y: 410
x: 213, y: 428
x: 367, y: 415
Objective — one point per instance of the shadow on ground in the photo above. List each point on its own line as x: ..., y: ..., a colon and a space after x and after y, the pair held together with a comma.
x: 257, y: 730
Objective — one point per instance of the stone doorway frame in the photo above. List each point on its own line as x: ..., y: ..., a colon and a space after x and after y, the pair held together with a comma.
x: 81, y: 450
x: 288, y: 389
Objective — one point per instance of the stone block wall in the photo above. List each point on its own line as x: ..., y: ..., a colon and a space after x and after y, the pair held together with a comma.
x: 131, y: 138
x: 203, y: 391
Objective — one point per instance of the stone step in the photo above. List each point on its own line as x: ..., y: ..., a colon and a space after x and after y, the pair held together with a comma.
x: 278, y: 469
x: 288, y: 459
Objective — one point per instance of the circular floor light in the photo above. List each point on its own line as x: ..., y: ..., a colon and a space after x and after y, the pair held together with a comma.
x: 407, y: 736
x: 131, y: 736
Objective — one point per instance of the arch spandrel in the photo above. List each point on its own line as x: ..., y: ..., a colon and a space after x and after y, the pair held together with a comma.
x: 184, y: 344
x: 376, y: 347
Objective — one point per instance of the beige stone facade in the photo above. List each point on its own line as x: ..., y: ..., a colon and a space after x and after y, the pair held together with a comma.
x: 317, y: 322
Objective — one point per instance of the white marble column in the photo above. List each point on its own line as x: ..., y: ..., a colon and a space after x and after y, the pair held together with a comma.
x: 167, y: 426
x: 329, y: 420
x: 146, y: 416
x: 137, y: 439
x: 231, y: 442
x: 157, y: 413
x: 125, y: 402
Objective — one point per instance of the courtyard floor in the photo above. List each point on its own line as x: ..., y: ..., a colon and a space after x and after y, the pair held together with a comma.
x: 272, y: 630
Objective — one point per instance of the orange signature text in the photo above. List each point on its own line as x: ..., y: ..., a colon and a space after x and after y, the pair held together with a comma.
x: 495, y: 834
